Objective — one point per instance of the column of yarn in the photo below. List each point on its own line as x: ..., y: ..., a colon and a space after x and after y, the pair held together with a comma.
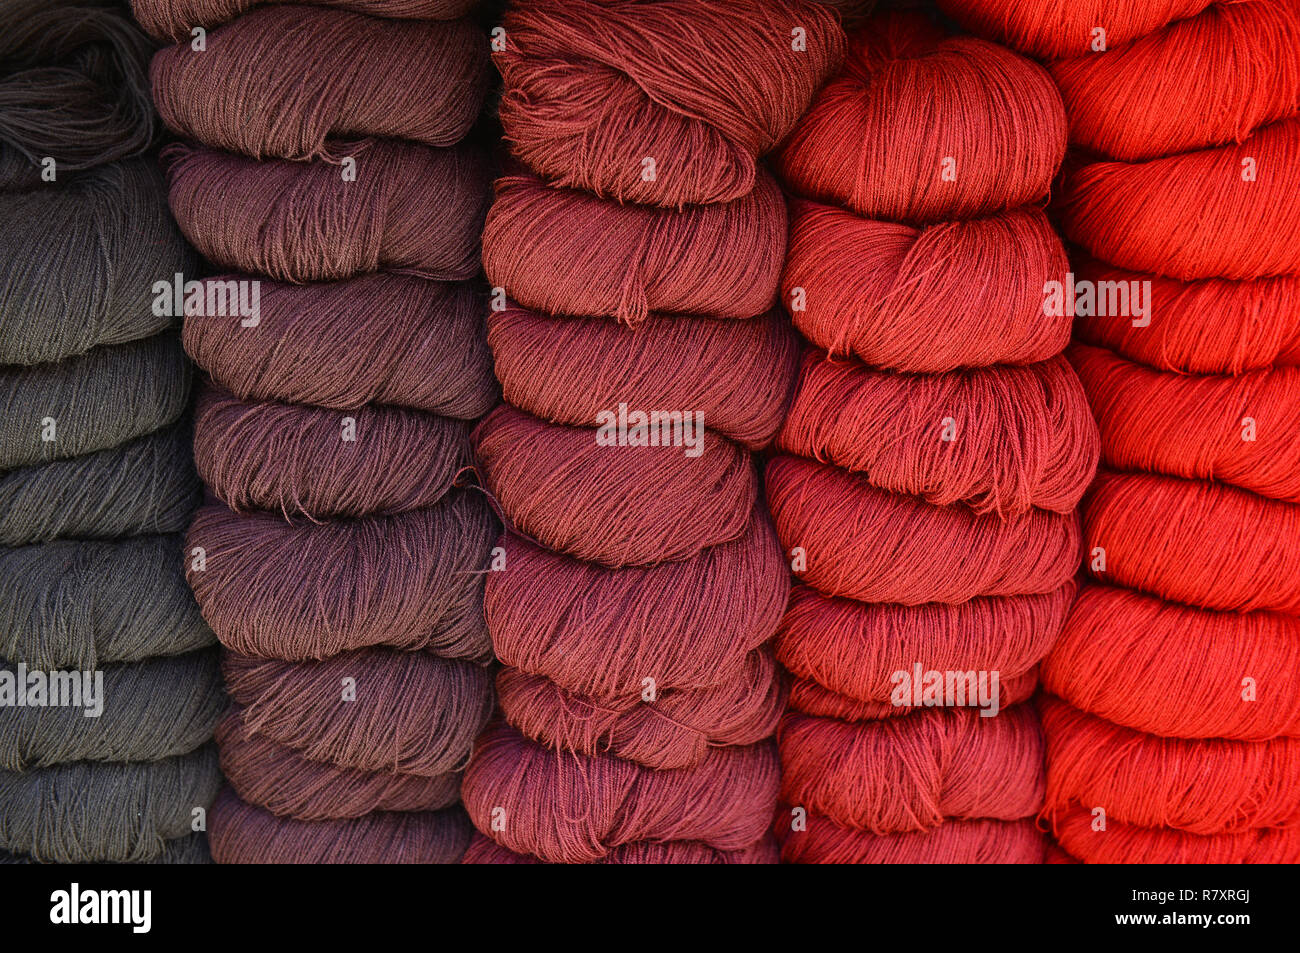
x: 935, y: 453
x: 327, y: 171
x: 1172, y: 695
x: 635, y: 245
x: 109, y: 682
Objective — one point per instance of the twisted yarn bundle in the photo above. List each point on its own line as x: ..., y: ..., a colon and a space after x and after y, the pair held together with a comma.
x: 1190, y: 531
x: 341, y: 550
x: 109, y: 688
x: 933, y: 457
x: 637, y: 248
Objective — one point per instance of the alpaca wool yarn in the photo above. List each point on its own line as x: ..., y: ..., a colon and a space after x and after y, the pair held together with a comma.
x: 1051, y: 29
x: 567, y: 252
x: 74, y: 90
x: 953, y: 842
x: 246, y: 834
x: 934, y: 454
x: 899, y: 297
x: 676, y: 732
x: 289, y: 458
x: 109, y: 692
x: 414, y: 712
x: 1192, y: 427
x: 647, y: 504
x: 635, y: 247
x: 1206, y: 326
x: 483, y: 850
x: 265, y: 772
x: 77, y: 604
x: 85, y: 812
x: 1115, y: 639
x: 1184, y: 115
x: 299, y: 591
x: 144, y: 486
x: 871, y: 545
x: 918, y: 103
x: 140, y: 712
x: 174, y: 19
x: 1240, y: 227
x: 265, y: 86
x: 1246, y: 60
x: 932, y: 765
x: 78, y: 260
x: 420, y: 214
x: 1029, y: 440
x: 95, y: 401
x: 407, y: 342
x: 854, y: 649
x: 592, y: 88
x: 687, y: 624
x: 606, y: 801
x: 719, y: 367
x: 341, y: 551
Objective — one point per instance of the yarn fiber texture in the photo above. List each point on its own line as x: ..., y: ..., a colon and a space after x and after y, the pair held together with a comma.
x: 96, y: 475
x: 75, y: 89
x: 927, y: 475
x: 1184, y: 119
x: 635, y: 248
x: 342, y: 547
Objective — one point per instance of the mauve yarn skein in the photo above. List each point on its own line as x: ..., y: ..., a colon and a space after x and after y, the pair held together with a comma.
x: 287, y: 783
x: 484, y: 850
x: 275, y: 83
x: 310, y: 590
x: 372, y: 710
x: 298, y: 461
x: 246, y: 834
x: 676, y: 730
x: 570, y: 808
x: 341, y: 552
x: 174, y: 19
x: 383, y: 338
x: 412, y: 209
